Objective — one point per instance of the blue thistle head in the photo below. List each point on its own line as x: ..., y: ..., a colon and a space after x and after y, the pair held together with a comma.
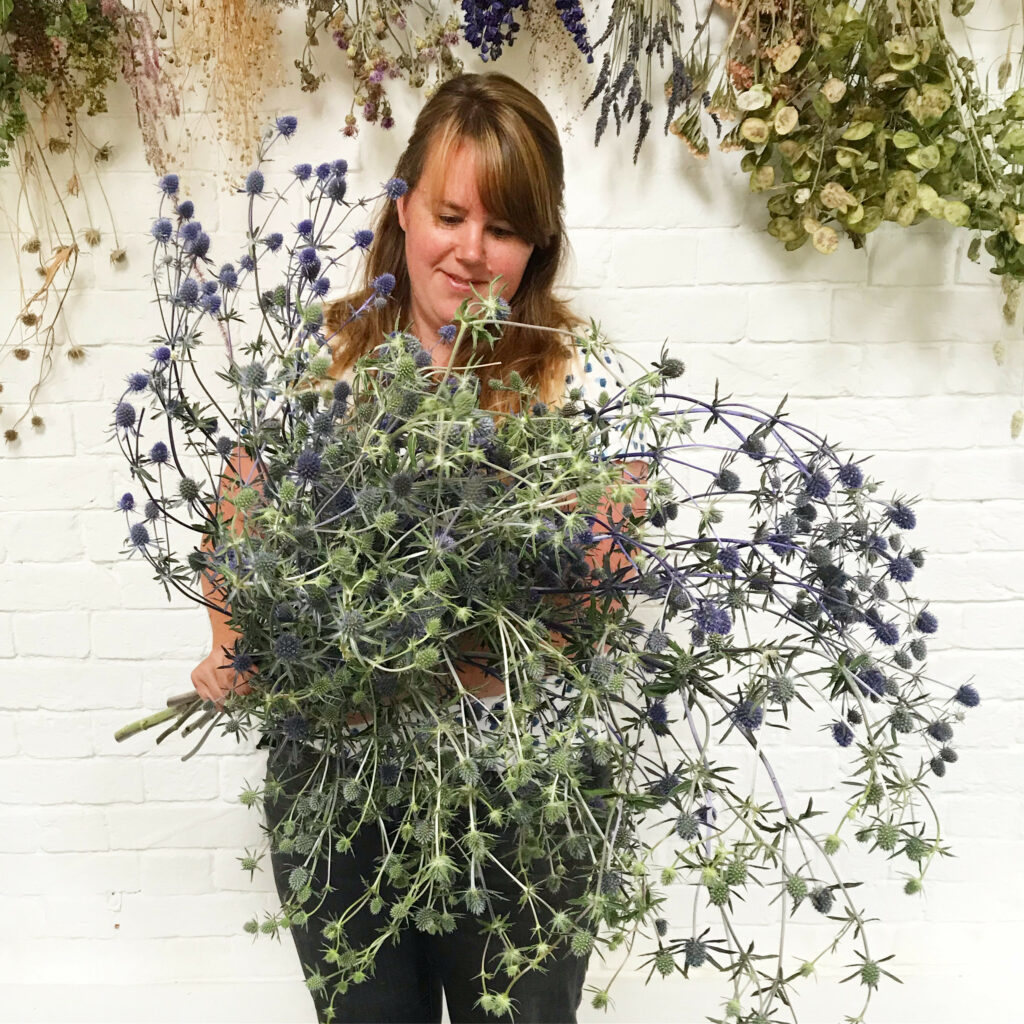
x: 363, y: 238
x: 395, y: 187
x: 287, y: 124
x: 323, y: 172
x: 728, y: 481
x: 152, y: 510
x: 885, y: 632
x: 901, y: 569
x: 729, y: 558
x: 185, y: 209
x: 190, y: 231
x: 842, y: 733
x: 288, y: 647
x: 657, y: 713
x: 926, y: 622
x: 211, y: 304
x: 139, y: 535
x: 447, y: 333
x: 188, y: 293
x: 228, y: 277
x: 901, y: 516
x: 851, y: 476
x: 321, y: 286
x: 336, y: 187
x: 200, y: 246
x: 242, y: 662
x: 747, y: 714
x: 162, y: 230
x: 124, y: 415
x: 273, y: 241
x: 246, y: 262
x: 295, y: 728
x: 307, y: 466
x: 968, y: 696
x: 159, y: 453
x: 138, y: 381
x: 304, y: 228
x: 817, y: 485
x: 384, y: 284
x: 126, y: 503
x: 168, y: 184
x: 254, y: 183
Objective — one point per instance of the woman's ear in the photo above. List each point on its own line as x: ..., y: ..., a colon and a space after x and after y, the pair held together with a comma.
x: 400, y: 206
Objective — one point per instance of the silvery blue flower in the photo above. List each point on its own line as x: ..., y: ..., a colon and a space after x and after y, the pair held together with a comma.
x: 169, y: 184
x: 254, y: 183
x: 395, y: 187
x: 287, y: 124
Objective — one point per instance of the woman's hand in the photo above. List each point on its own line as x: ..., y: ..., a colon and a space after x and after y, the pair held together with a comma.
x: 214, y: 678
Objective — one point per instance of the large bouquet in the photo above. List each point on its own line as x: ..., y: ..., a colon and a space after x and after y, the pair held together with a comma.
x: 393, y: 527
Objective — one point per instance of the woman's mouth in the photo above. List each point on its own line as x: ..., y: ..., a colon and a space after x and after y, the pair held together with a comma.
x: 458, y: 283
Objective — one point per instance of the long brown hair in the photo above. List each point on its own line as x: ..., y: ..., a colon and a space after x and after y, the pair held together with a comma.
x: 520, y: 179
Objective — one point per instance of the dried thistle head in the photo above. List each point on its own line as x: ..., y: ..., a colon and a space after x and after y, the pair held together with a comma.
x: 37, y: 421
x: 92, y: 237
x: 74, y: 185
x: 57, y: 145
x: 21, y: 354
x: 76, y: 353
x: 118, y: 256
x: 29, y: 319
x: 10, y: 435
x: 32, y: 245
x: 103, y: 153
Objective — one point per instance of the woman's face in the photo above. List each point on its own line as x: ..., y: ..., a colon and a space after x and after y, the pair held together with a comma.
x: 451, y: 241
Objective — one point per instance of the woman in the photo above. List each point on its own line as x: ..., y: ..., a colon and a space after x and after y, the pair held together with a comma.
x: 484, y: 206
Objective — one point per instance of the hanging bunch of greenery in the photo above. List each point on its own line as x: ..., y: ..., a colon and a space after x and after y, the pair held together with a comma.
x: 763, y: 586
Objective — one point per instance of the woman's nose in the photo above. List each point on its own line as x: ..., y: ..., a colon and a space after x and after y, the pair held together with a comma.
x: 470, y: 247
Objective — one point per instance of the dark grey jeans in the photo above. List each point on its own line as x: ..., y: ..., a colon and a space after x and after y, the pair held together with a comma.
x: 410, y: 973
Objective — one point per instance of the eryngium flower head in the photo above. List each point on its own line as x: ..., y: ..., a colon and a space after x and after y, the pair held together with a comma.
x: 287, y: 124
x: 152, y: 509
x: 447, y: 333
x: 901, y: 516
x: 169, y: 184
x: 926, y: 622
x: 729, y: 558
x: 138, y: 381
x: 139, y: 535
x: 363, y: 238
x: 747, y: 714
x: 395, y: 187
x: 657, y: 713
x: 124, y: 415
x: 821, y: 899
x: 302, y: 171
x: 941, y: 731
x: 288, y: 647
x: 161, y: 230
x: 696, y: 952
x: 307, y: 466
x: 851, y: 476
x: 727, y: 480
x: 968, y: 696
x: 842, y: 734
x: 159, y: 453
x: 254, y: 183
x: 188, y: 293
x: 401, y: 485
x: 126, y: 503
x: 901, y: 569
x: 185, y: 209
x: 295, y: 728
x: 817, y: 485
x: 384, y: 284
x: 886, y: 632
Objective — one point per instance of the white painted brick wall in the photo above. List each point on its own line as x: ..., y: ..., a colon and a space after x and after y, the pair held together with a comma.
x: 123, y: 897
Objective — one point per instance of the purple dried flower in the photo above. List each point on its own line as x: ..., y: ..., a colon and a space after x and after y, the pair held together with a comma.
x: 968, y: 696
x: 254, y: 183
x: 124, y: 415
x: 817, y: 485
x: 729, y: 558
x: 872, y: 683
x: 336, y: 188
x: 228, y: 277
x: 201, y: 246
x: 286, y: 125
x: 842, y: 734
x: 273, y: 241
x: 302, y: 171
x: 152, y: 510
x: 139, y: 535
x: 209, y: 287
x: 307, y: 466
x: 308, y: 258
x: 851, y: 476
x: 138, y: 381
x: 385, y: 284
x: 321, y: 286
x: 211, y: 304
x: 901, y: 516
x: 242, y: 662
x: 363, y: 238
x: 126, y: 503
x: 185, y: 209
x: 247, y: 263
x: 323, y: 172
x: 657, y: 713
x: 710, y: 619
x: 305, y: 228
x: 395, y: 187
x: 161, y: 230
x: 339, y: 167
x: 747, y: 715
x: 901, y: 569
x: 159, y: 453
x: 926, y: 622
x: 447, y: 333
x: 188, y: 293
x: 168, y: 184
x: 886, y: 632
x: 190, y: 231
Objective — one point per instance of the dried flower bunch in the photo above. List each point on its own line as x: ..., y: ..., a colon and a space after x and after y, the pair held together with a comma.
x: 57, y: 61
x: 765, y: 588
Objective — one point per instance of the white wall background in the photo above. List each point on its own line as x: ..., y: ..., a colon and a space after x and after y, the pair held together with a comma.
x: 121, y: 891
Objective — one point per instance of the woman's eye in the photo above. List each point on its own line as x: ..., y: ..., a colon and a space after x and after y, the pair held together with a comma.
x: 449, y: 220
